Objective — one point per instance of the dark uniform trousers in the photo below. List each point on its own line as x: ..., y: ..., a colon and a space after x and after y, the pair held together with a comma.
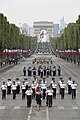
x: 24, y: 71
x: 47, y: 73
x: 44, y: 93
x: 26, y: 87
x: 14, y: 94
x: 54, y: 73
x: 59, y: 89
x: 33, y: 95
x: 38, y: 72
x: 28, y: 100
x: 44, y: 72
x: 29, y: 73
x: 54, y: 92
x: 8, y: 89
x: 50, y: 72
x: 41, y: 74
x: 34, y: 73
x: 3, y: 94
x: 69, y: 89
x: 23, y: 93
x: 73, y: 93
x: 18, y: 89
x: 50, y: 100
x: 62, y: 93
x: 59, y: 72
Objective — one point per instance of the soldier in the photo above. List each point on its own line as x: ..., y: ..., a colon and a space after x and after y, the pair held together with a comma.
x: 45, y: 81
x: 18, y: 86
x: 69, y: 83
x: 26, y: 83
x: 3, y: 88
x: 54, y: 85
x: 49, y: 93
x: 41, y: 72
x: 33, y: 89
x: 14, y: 87
x: 59, y: 70
x: 47, y: 72
x: 34, y: 71
x: 23, y: 90
x: 28, y: 95
x: 38, y: 99
x: 43, y: 87
x: 73, y: 86
x: 60, y: 81
x: 24, y: 71
x: 62, y: 87
x: 54, y: 71
x: 9, y: 84
x: 29, y: 71
x: 50, y: 71
x: 44, y: 70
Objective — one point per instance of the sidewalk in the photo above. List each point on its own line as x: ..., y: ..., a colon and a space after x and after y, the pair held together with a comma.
x: 9, y: 66
x: 6, y: 67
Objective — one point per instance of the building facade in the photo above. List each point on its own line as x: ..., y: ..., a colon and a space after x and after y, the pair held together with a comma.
x: 43, y: 30
x: 56, y: 30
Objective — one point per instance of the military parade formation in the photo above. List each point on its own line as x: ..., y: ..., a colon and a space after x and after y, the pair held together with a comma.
x: 42, y: 81
x: 39, y: 89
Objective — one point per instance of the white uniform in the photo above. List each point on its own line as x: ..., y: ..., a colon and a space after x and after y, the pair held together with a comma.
x: 69, y: 83
x: 28, y: 94
x: 3, y: 88
x: 73, y: 86
x: 49, y: 98
x: 62, y: 88
x: 9, y: 84
x: 26, y: 84
x: 14, y: 87
x: 23, y: 87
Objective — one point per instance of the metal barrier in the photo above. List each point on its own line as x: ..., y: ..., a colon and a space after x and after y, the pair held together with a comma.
x: 11, y: 57
x: 69, y: 56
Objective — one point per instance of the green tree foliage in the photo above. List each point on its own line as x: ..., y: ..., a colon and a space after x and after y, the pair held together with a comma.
x: 11, y: 38
x: 69, y: 39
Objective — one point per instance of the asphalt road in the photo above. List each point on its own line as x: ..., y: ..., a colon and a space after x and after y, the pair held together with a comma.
x: 62, y: 109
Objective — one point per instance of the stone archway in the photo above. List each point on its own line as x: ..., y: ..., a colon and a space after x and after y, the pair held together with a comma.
x: 43, y: 35
x: 43, y: 26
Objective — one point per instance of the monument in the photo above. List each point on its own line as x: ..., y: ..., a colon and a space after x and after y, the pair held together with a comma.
x: 43, y: 30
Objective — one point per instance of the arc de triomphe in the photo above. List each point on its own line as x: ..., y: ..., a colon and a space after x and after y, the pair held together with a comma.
x: 43, y: 30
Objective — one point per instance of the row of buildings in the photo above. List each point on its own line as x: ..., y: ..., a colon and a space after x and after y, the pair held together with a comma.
x: 38, y: 27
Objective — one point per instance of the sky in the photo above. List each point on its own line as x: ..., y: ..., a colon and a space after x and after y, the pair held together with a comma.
x: 28, y: 11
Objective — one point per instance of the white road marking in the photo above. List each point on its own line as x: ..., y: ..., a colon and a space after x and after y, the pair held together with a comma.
x: 60, y: 107
x: 47, y: 114
x: 16, y: 107
x: 2, y: 107
x: 30, y: 112
x: 74, y: 107
x: 29, y: 117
